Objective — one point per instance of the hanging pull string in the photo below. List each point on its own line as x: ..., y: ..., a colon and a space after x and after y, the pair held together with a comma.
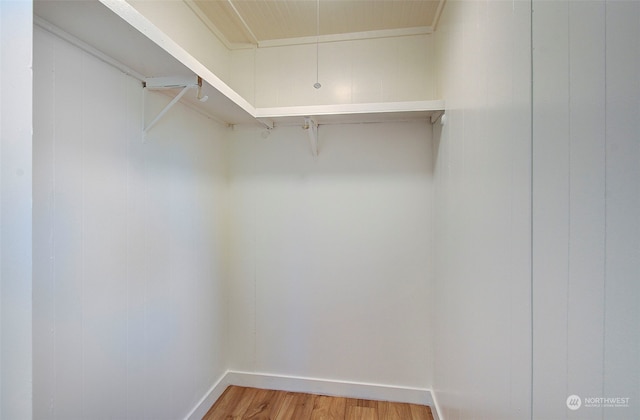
x: 317, y: 84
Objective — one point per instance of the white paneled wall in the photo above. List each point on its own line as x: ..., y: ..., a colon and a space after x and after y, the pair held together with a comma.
x: 586, y: 207
x: 15, y: 209
x: 401, y: 256
x: 129, y: 245
x: 583, y: 144
x: 331, y: 257
x: 358, y: 71
x: 242, y: 74
x: 482, y: 342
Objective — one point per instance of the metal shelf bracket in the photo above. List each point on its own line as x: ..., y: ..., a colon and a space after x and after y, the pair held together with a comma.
x: 162, y: 83
x: 437, y: 115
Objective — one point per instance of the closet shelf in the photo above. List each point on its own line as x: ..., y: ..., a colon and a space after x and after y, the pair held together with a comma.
x: 321, y: 114
x: 148, y: 52
x: 354, y: 113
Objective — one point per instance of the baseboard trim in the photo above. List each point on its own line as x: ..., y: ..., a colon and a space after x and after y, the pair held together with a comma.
x: 205, y: 403
x: 435, y: 407
x: 330, y: 387
x: 347, y: 389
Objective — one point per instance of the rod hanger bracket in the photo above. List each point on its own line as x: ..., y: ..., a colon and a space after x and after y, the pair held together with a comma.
x: 311, y: 126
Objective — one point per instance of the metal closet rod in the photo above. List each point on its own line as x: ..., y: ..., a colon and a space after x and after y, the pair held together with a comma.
x: 60, y: 33
x: 65, y: 36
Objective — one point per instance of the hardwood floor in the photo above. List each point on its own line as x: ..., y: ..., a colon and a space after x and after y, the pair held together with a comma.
x: 240, y: 403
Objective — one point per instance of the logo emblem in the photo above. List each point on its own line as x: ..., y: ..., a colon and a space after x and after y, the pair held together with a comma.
x: 573, y: 402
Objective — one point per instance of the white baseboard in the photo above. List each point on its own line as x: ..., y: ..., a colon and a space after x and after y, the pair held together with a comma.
x: 209, y: 398
x: 331, y: 387
x: 435, y: 407
x: 313, y: 386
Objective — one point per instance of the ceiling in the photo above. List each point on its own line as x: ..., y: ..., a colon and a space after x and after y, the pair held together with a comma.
x: 284, y: 22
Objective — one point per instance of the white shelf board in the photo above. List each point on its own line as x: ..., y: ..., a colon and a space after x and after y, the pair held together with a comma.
x: 354, y: 113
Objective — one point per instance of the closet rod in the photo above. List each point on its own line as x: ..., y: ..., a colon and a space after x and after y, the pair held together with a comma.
x: 60, y: 33
x: 56, y: 31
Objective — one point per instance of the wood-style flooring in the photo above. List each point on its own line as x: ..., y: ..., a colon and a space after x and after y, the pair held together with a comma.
x: 252, y: 403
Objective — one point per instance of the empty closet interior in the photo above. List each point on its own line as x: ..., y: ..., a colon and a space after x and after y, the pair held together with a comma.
x: 452, y: 218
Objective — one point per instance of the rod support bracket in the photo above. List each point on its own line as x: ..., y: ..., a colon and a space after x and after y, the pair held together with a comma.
x: 311, y: 126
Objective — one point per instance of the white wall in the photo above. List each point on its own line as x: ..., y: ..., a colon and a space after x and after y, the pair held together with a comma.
x: 482, y: 342
x: 333, y: 273
x: 331, y: 257
x: 357, y: 71
x: 586, y: 207
x: 129, y: 245
x: 15, y: 209
x: 585, y: 154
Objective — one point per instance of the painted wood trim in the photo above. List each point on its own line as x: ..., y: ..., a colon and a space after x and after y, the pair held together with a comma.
x: 207, y: 401
x: 435, y: 407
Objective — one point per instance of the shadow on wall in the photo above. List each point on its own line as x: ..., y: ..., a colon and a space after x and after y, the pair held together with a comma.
x: 390, y: 148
